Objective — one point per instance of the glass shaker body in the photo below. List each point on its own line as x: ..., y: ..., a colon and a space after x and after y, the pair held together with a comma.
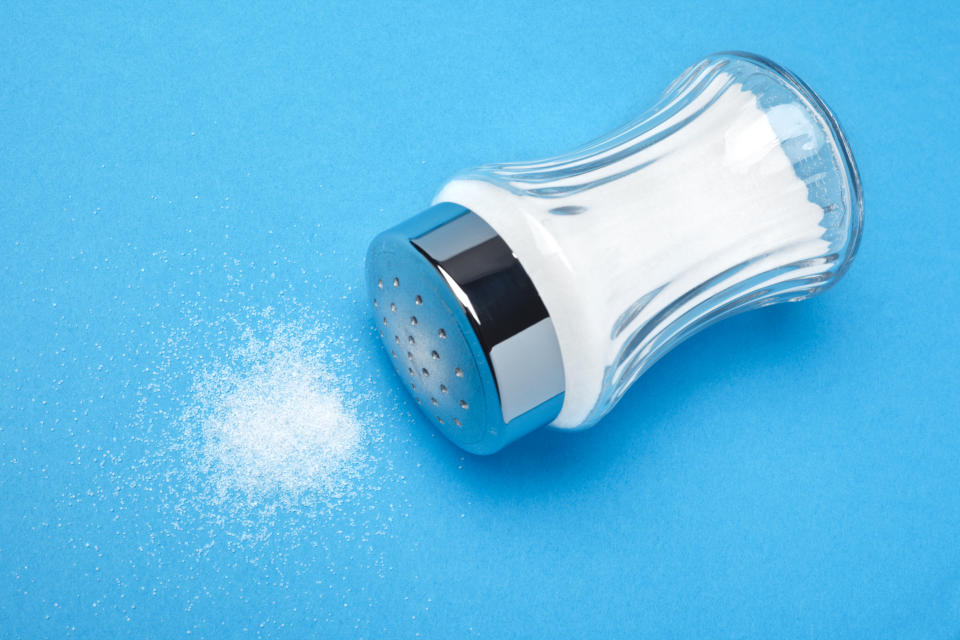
x: 735, y: 191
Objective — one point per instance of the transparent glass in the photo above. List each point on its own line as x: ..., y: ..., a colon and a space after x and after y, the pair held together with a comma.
x: 735, y: 191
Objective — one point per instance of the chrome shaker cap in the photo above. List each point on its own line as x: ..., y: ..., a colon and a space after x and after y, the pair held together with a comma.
x: 464, y: 327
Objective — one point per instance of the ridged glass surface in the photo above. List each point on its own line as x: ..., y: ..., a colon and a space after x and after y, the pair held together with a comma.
x: 735, y: 191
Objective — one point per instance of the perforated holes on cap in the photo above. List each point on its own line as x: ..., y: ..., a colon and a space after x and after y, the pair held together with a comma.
x: 428, y: 366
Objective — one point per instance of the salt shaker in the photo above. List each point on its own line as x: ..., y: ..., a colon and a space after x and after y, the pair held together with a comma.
x: 536, y: 293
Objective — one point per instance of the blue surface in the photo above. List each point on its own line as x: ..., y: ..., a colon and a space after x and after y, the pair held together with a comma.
x: 792, y: 472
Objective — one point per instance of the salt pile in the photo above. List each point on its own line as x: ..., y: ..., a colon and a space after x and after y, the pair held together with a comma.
x: 253, y: 427
x: 273, y: 421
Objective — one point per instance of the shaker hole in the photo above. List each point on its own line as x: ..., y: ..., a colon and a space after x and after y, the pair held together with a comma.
x: 464, y: 405
x: 419, y: 300
x: 442, y: 334
x: 396, y: 282
x: 459, y: 372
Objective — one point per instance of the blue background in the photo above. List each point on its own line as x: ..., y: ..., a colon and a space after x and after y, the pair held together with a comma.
x: 792, y: 472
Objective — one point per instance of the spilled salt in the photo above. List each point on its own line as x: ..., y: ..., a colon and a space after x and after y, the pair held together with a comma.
x: 256, y: 435
x: 273, y: 420
x: 253, y: 425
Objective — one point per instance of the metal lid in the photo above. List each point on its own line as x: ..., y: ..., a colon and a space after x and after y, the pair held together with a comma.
x: 465, y: 328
